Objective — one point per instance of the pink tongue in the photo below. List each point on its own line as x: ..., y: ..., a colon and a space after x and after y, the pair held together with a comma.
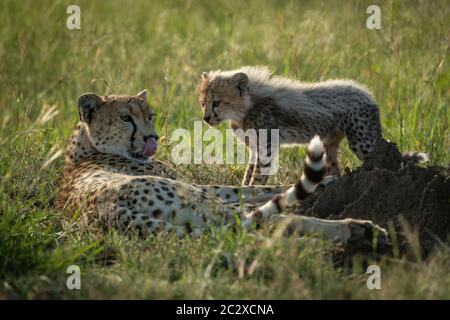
x: 150, y: 147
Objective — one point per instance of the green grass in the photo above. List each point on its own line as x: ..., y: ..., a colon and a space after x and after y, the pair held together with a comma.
x: 125, y: 46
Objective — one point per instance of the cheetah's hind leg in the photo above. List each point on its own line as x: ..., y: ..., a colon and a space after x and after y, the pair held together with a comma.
x: 140, y: 222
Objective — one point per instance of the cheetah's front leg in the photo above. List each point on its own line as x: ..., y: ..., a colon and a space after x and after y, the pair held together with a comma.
x: 248, y: 174
x: 258, y: 178
x: 263, y: 164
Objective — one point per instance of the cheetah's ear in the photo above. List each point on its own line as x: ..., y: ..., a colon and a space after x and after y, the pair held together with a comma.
x: 87, y: 103
x: 205, y: 76
x: 142, y: 95
x: 240, y: 80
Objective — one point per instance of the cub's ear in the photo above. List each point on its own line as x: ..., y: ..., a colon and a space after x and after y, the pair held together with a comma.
x: 87, y: 103
x: 205, y: 76
x: 142, y: 95
x: 240, y: 80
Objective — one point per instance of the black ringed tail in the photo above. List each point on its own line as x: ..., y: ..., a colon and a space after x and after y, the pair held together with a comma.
x: 313, y: 173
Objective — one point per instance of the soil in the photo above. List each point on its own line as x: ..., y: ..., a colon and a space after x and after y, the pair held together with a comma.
x: 393, y: 195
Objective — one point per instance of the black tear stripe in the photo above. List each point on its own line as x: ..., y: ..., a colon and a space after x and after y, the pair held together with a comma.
x: 132, y: 138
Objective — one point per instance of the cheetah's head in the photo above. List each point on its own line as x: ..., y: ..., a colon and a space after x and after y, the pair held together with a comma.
x: 119, y: 124
x: 224, y: 96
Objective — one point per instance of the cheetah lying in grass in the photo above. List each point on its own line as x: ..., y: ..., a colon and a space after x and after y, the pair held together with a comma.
x: 111, y: 178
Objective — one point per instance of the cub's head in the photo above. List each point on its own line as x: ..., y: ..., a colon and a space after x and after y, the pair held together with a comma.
x: 224, y: 96
x: 119, y: 124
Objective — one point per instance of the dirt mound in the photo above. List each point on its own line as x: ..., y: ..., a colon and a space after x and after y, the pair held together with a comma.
x: 384, y: 190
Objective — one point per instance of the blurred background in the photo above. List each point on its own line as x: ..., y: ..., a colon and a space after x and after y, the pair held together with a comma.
x: 125, y: 46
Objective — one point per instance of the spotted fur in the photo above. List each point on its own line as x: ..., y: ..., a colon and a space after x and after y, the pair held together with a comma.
x: 107, y: 179
x: 251, y: 99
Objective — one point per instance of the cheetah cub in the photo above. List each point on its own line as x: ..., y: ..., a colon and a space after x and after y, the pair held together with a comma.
x: 251, y: 99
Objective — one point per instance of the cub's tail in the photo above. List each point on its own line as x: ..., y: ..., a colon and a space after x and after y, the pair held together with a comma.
x: 414, y: 157
x: 313, y: 173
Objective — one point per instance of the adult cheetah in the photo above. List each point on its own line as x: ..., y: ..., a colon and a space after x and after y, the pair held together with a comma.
x: 110, y: 176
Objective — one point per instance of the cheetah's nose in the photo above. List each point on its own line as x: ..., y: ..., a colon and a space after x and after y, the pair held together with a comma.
x: 207, y: 118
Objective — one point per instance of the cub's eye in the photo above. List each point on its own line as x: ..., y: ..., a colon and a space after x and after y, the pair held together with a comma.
x: 216, y: 104
x: 150, y: 118
x: 203, y: 105
x: 126, y: 118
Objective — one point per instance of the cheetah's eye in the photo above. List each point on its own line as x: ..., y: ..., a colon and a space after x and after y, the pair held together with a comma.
x: 126, y: 118
x: 216, y: 104
x: 150, y: 118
